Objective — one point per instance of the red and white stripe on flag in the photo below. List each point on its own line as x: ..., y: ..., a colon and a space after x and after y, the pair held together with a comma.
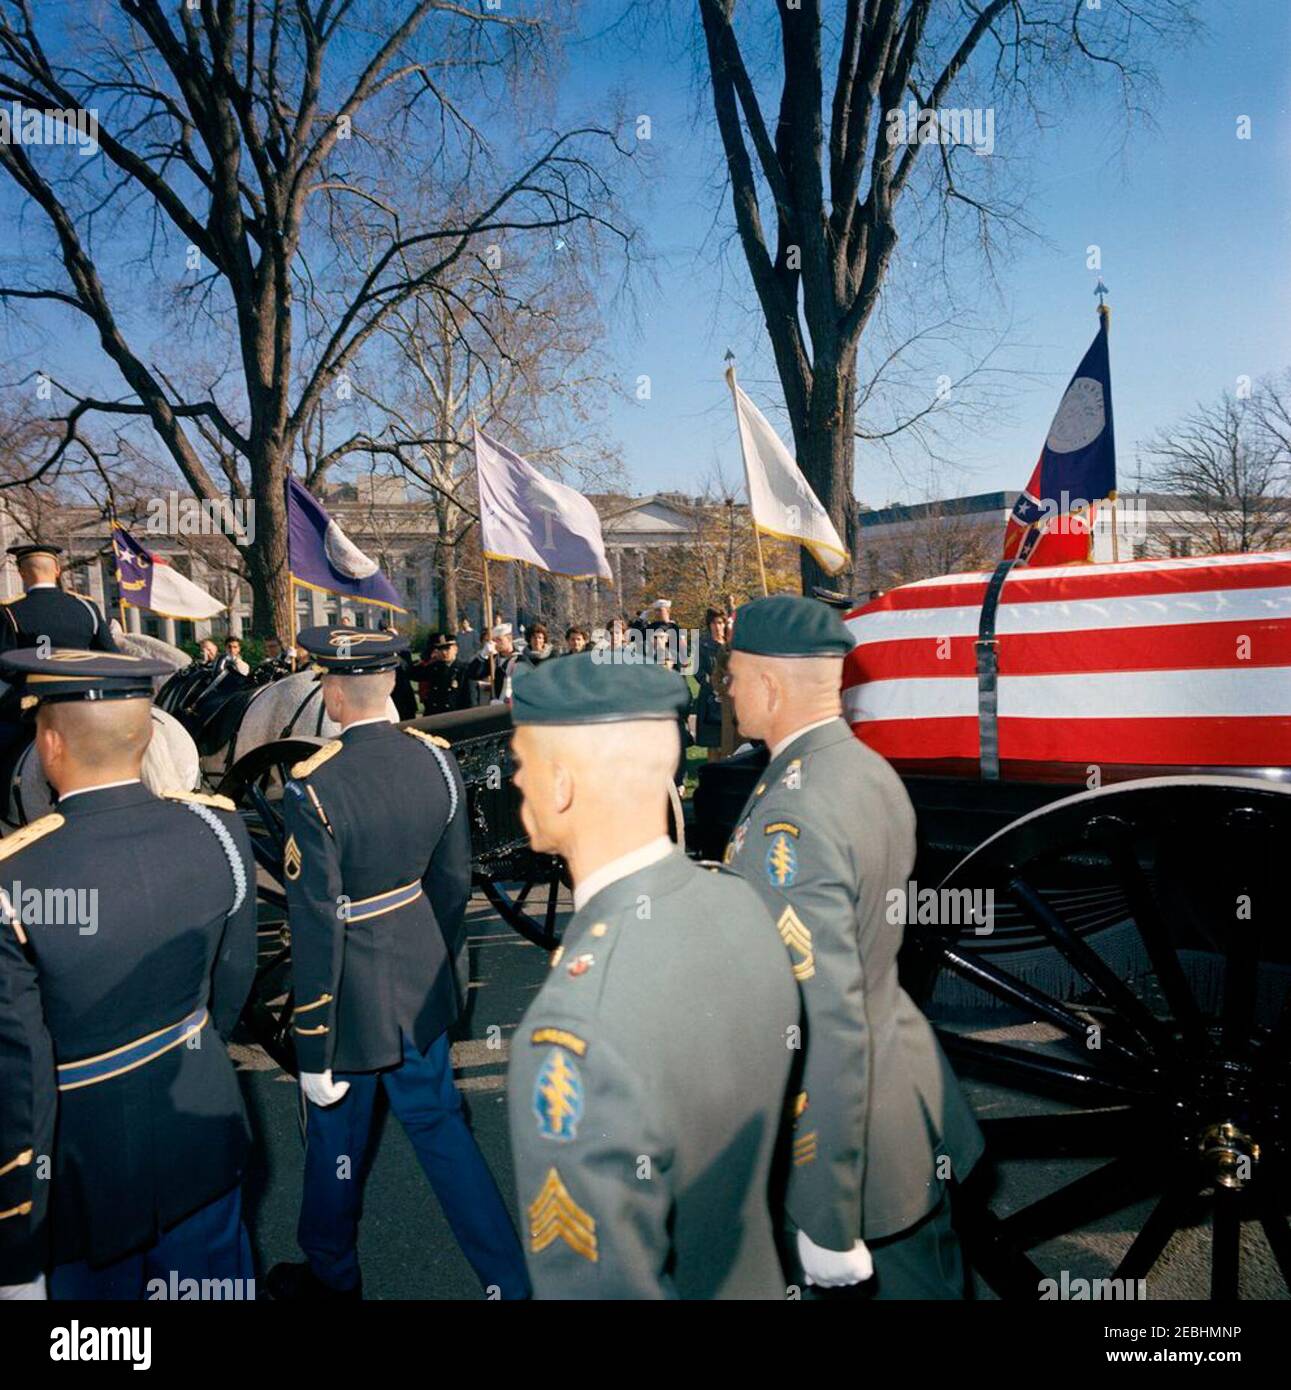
x: 1171, y: 662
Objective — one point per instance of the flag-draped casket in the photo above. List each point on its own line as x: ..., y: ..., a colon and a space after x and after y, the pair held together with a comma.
x: 1180, y: 663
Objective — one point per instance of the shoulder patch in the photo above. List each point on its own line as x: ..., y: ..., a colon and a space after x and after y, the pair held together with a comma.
x: 221, y: 803
x: 29, y: 834
x: 315, y: 760
x: 558, y: 1097
x: 433, y: 739
x: 562, y: 1038
x: 782, y: 862
x: 777, y: 825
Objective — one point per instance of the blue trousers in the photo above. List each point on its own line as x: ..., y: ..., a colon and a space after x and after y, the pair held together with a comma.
x: 210, y: 1245
x: 338, y: 1153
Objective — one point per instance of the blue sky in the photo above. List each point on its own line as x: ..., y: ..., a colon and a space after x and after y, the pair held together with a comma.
x: 1192, y: 223
x: 1193, y: 226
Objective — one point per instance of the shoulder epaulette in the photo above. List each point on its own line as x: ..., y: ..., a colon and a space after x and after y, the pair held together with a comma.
x: 433, y: 739
x: 29, y: 834
x: 315, y: 760
x: 221, y: 803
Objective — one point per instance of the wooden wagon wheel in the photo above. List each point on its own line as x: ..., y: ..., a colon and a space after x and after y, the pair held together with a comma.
x: 254, y: 784
x: 1176, y: 1069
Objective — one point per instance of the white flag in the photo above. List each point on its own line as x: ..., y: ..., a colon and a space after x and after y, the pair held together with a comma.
x: 525, y: 516
x: 779, y: 498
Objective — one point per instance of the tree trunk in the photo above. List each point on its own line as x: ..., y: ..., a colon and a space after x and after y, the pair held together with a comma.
x: 826, y: 449
x: 272, y: 610
x: 448, y: 586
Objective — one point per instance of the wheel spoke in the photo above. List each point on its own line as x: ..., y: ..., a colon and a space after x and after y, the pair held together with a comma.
x: 1083, y: 1133
x: 1226, y: 1229
x: 1008, y: 1271
x: 1277, y: 1232
x: 1107, y: 1189
x: 1146, y: 1248
x: 1241, y: 963
x: 995, y: 980
x: 1038, y: 1072
x: 1108, y: 985
x: 1156, y: 941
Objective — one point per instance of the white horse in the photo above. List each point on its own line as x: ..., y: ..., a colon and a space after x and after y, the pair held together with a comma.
x: 170, y: 764
x: 289, y: 707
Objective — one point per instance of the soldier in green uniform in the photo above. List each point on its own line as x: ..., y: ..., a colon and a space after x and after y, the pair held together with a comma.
x: 880, y: 1126
x: 648, y: 1077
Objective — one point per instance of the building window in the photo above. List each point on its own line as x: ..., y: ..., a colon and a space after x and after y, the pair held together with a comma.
x: 1180, y: 547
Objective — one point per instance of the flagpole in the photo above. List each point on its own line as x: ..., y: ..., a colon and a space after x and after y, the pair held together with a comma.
x: 748, y: 485
x: 116, y: 564
x: 1105, y: 314
x: 484, y: 559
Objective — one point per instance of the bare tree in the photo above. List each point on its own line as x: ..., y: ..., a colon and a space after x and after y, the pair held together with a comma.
x: 835, y: 168
x: 1224, y: 472
x: 936, y: 540
x: 256, y: 136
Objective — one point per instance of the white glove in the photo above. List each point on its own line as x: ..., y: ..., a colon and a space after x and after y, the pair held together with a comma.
x: 24, y: 1293
x: 488, y: 648
x: 832, y: 1269
x: 319, y: 1087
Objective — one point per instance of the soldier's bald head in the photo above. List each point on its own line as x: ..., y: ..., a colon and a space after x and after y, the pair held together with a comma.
x: 101, y: 735
x: 38, y: 569
x: 594, y: 779
x: 773, y: 695
x: 357, y: 697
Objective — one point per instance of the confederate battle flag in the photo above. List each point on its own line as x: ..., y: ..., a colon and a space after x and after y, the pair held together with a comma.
x: 1053, y: 519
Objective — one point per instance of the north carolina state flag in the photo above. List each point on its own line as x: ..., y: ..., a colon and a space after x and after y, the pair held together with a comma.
x: 1053, y: 519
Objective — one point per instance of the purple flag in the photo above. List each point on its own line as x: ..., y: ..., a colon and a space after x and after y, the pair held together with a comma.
x: 322, y: 556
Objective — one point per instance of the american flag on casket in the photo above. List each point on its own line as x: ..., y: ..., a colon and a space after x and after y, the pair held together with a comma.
x: 1183, y: 662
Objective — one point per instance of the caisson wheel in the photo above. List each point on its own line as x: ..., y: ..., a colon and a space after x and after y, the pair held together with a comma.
x: 1171, y: 1060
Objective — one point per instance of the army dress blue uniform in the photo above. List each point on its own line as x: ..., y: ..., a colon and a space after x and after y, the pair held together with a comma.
x: 50, y: 615
x: 378, y: 875
x: 46, y: 611
x: 113, y: 1024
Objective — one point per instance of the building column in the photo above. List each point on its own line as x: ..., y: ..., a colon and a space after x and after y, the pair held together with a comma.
x: 134, y: 622
x: 168, y: 631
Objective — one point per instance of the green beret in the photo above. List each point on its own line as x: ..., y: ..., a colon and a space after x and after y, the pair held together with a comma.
x: 597, y: 688
x: 786, y: 625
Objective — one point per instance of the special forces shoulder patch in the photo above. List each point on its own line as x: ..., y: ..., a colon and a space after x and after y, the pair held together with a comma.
x: 782, y: 860
x: 555, y: 1215
x: 558, y: 1097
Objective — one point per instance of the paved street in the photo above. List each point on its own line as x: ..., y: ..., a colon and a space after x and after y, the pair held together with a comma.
x: 407, y: 1250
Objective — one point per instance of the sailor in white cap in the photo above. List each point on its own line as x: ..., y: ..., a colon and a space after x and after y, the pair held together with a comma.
x: 490, y: 672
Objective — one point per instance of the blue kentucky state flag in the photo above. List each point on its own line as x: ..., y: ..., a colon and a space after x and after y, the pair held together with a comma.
x: 1053, y: 519
x: 321, y: 556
